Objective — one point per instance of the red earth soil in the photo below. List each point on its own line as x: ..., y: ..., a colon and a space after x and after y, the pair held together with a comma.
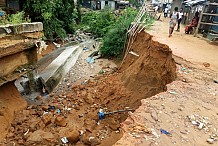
x: 140, y: 77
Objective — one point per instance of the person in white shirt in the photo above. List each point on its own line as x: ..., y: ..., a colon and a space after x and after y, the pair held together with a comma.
x: 165, y: 12
x: 180, y: 19
x: 173, y: 20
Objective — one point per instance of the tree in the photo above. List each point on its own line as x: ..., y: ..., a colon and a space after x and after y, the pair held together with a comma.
x: 58, y: 16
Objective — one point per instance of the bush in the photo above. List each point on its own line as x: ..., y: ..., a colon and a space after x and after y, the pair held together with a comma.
x: 17, y: 18
x: 97, y: 22
x: 115, y: 39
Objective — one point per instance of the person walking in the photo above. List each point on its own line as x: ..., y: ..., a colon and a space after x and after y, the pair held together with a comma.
x: 165, y: 12
x: 173, y: 20
x: 180, y: 19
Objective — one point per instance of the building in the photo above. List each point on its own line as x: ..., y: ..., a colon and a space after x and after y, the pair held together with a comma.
x: 10, y: 6
x: 101, y: 4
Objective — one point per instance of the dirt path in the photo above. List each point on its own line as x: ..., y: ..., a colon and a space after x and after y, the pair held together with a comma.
x: 188, y: 47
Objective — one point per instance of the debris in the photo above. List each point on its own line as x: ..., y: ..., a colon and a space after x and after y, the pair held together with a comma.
x: 58, y: 111
x: 172, y: 92
x: 210, y: 141
x: 85, y: 48
x: 90, y: 60
x: 51, y: 108
x: 64, y: 140
x: 155, y: 133
x: 165, y: 132
x: 101, y: 114
x: 154, y: 115
x: 206, y: 64
x: 27, y: 132
x: 133, y: 53
x: 215, y: 81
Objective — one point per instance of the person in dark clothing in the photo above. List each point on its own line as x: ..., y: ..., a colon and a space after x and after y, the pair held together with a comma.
x: 180, y: 19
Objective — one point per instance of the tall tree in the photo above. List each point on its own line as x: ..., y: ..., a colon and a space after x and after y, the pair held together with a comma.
x: 57, y: 15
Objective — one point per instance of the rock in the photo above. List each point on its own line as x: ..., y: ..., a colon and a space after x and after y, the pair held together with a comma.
x: 114, y: 125
x: 94, y: 141
x: 206, y: 64
x: 47, y: 119
x: 60, y: 121
x: 154, y: 115
x: 39, y: 97
x: 90, y: 125
x: 45, y: 107
x: 20, y: 142
x: 89, y: 99
x: 210, y: 141
x: 40, y: 135
x: 73, y: 135
x: 77, y: 107
x: 90, y: 140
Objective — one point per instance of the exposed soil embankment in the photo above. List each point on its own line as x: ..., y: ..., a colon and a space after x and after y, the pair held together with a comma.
x: 147, y: 74
x: 73, y: 112
x: 10, y: 102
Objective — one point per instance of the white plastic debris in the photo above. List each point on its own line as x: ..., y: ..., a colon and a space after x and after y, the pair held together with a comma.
x: 133, y: 53
x: 64, y: 140
x: 210, y: 141
x: 27, y: 132
x: 200, y: 125
x: 155, y: 133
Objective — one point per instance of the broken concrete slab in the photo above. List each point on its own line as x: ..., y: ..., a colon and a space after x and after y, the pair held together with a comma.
x: 55, y: 71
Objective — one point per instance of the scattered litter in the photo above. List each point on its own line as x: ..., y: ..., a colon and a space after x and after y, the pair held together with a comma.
x: 155, y: 133
x: 85, y: 48
x: 51, y: 108
x: 101, y: 114
x: 201, y: 122
x: 59, y: 111
x: 27, y: 132
x: 101, y: 71
x: 64, y: 140
x: 215, y: 81
x: 90, y: 60
x: 165, y: 132
x: 133, y: 53
x: 183, y: 68
x: 210, y: 141
x: 172, y: 92
x: 57, y: 45
x: 84, y: 82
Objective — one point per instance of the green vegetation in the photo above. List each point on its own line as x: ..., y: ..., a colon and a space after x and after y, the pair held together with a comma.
x: 17, y: 18
x: 58, y: 16
x: 97, y: 22
x: 114, y: 40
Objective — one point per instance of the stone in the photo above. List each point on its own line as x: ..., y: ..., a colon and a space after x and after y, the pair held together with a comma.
x: 206, y: 64
x: 45, y: 107
x: 39, y: 97
x: 88, y: 99
x: 20, y: 142
x: 154, y: 115
x: 40, y: 135
x: 46, y: 119
x: 73, y: 135
x: 210, y: 141
x: 60, y: 121
x: 90, y: 140
x: 90, y: 125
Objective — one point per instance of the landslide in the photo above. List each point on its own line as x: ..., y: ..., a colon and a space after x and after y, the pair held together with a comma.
x: 74, y: 113
x: 10, y: 102
x: 149, y: 73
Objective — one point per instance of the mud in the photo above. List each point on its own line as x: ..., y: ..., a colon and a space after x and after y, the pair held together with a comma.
x: 10, y: 102
x: 73, y: 113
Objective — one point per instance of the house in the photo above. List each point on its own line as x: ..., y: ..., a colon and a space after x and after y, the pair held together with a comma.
x: 101, y: 4
x: 10, y: 6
